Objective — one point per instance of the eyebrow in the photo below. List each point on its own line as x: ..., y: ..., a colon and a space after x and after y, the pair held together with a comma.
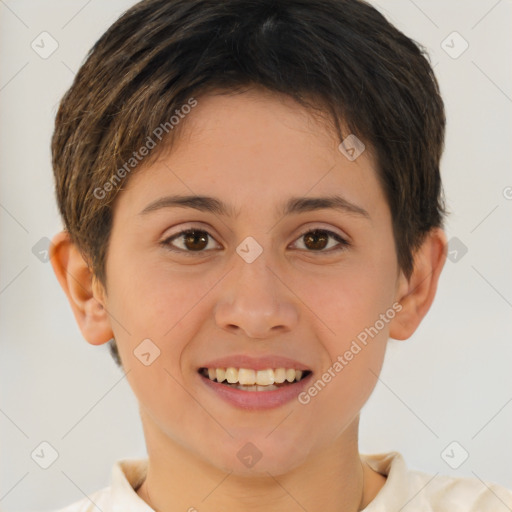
x: 293, y: 206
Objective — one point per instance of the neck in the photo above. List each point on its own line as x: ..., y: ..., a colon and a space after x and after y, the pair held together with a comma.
x: 332, y: 480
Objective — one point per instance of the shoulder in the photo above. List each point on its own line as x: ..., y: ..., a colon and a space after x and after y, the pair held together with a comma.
x: 459, y: 494
x: 120, y: 495
x: 410, y: 490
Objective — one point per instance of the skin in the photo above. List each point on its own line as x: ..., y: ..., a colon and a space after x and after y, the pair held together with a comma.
x: 251, y: 150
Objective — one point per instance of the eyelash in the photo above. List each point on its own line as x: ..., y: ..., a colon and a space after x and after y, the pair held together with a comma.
x: 344, y: 244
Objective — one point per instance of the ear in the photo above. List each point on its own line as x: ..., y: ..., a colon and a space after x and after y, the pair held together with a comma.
x: 85, y: 294
x: 417, y: 294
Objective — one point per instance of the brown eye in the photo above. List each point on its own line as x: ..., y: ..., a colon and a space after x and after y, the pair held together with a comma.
x: 197, y: 241
x: 317, y: 240
x: 193, y: 240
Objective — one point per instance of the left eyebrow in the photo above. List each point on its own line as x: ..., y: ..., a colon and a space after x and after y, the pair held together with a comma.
x: 294, y: 205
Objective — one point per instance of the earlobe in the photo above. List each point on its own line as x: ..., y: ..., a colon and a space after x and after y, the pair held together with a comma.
x: 417, y: 294
x: 84, y: 294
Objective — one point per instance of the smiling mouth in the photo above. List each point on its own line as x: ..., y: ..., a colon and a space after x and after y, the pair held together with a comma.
x: 247, y: 379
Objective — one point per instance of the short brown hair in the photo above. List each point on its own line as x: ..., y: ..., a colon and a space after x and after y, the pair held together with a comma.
x: 341, y: 57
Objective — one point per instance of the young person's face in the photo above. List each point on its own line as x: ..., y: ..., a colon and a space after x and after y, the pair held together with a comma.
x: 300, y: 299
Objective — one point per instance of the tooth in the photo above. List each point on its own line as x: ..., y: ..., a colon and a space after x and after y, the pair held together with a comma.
x: 290, y: 375
x: 264, y: 377
x: 266, y: 388
x: 231, y: 375
x: 279, y: 375
x: 246, y: 376
x: 249, y: 377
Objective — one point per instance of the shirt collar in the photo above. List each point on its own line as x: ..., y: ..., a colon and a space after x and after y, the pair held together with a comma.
x: 395, y: 490
x: 128, y: 474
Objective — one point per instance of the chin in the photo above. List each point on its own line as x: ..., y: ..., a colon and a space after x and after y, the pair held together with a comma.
x: 253, y: 459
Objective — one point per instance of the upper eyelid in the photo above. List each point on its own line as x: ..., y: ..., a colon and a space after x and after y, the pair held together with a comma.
x: 193, y: 227
x: 306, y: 230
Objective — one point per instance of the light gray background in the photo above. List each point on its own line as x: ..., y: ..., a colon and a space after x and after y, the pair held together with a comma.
x: 450, y: 381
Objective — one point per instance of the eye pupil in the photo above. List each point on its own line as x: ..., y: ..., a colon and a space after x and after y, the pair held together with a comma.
x: 315, y: 236
x: 193, y: 237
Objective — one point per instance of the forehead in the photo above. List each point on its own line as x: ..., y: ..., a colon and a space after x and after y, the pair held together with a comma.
x: 258, y: 115
x: 251, y: 148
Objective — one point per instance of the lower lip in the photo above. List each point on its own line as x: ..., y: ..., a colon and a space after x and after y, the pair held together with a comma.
x: 255, y: 400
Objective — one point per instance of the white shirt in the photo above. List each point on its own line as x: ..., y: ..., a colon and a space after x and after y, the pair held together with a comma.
x: 405, y: 490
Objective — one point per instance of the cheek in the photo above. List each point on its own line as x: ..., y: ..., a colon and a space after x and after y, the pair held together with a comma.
x: 152, y: 296
x: 356, y: 304
x: 356, y: 378
x: 348, y: 377
x: 163, y: 305
x: 154, y: 305
x: 349, y: 300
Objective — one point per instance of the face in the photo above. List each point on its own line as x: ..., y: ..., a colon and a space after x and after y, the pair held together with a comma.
x: 292, y: 289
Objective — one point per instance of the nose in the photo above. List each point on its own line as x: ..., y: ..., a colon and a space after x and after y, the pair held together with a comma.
x: 256, y: 301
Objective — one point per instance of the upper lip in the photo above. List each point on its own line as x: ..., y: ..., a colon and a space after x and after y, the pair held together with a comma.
x: 255, y: 363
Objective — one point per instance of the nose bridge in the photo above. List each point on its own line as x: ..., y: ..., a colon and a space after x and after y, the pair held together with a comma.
x: 254, y: 300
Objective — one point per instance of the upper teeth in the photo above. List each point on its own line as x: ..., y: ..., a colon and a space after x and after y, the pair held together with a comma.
x: 246, y: 376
